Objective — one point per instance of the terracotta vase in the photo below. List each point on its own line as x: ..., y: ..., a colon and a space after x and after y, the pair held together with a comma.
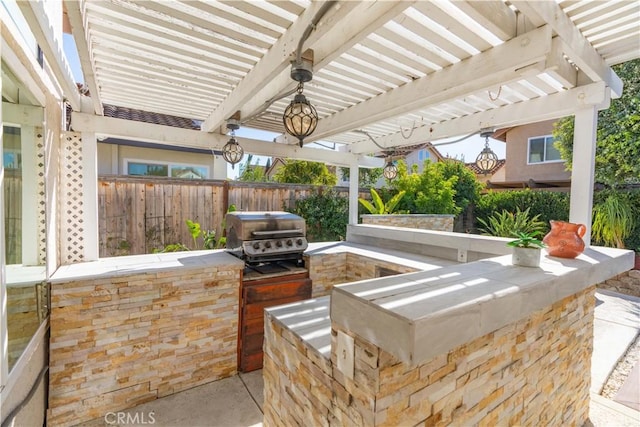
x: 565, y: 239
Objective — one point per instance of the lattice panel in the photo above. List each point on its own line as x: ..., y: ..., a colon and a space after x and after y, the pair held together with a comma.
x: 72, y: 222
x: 42, y: 220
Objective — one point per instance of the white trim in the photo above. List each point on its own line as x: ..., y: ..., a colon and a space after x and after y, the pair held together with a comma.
x: 90, y: 195
x: 543, y: 161
x: 29, y: 190
x: 4, y: 336
x: 354, y: 187
x: 126, y: 161
x: 21, y: 367
x: 38, y: 20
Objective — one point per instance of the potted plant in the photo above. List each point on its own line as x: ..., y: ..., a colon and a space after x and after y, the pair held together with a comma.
x: 526, y: 250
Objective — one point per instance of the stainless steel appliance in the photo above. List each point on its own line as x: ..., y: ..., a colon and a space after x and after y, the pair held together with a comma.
x: 259, y: 237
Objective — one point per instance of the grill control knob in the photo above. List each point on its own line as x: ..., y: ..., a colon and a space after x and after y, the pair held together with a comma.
x: 256, y: 245
x: 267, y: 244
x: 289, y: 242
x: 279, y: 243
x: 299, y: 242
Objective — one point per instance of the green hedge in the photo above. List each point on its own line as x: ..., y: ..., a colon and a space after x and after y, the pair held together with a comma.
x: 326, y: 214
x: 548, y: 204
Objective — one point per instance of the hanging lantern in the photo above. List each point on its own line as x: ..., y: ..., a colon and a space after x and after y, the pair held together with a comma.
x: 300, y: 118
x: 390, y: 170
x: 232, y: 152
x: 487, y: 159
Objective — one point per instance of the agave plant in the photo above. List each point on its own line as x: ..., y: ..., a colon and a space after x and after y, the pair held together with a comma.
x: 378, y: 207
x: 509, y: 224
x: 526, y: 240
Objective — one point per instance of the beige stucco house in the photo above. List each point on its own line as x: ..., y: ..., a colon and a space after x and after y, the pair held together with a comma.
x: 532, y: 161
x: 118, y: 156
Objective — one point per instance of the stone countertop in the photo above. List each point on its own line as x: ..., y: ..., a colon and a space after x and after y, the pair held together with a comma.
x: 147, y: 263
x: 419, y: 262
x: 22, y: 275
x: 418, y: 315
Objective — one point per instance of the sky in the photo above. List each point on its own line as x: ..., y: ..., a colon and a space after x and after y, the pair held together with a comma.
x: 467, y: 149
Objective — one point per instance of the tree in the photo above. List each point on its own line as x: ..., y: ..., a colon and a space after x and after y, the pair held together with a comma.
x: 467, y: 186
x: 428, y: 192
x: 304, y: 172
x: 252, y: 173
x: 618, y: 137
x: 366, y: 176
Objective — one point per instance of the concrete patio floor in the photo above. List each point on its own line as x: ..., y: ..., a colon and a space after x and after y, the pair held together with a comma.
x: 237, y: 401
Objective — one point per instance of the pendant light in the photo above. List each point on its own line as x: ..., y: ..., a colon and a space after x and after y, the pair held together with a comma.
x: 487, y: 159
x: 232, y: 152
x: 300, y: 117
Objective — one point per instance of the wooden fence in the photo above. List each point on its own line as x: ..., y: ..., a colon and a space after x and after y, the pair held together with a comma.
x: 140, y: 214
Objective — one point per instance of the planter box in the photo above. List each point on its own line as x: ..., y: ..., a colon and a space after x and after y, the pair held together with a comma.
x: 421, y: 221
x: 526, y: 257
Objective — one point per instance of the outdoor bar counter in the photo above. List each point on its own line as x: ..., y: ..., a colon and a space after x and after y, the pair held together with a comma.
x: 478, y: 343
x: 127, y: 330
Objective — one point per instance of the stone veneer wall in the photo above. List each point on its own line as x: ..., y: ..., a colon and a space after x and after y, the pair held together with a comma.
x: 327, y: 270
x: 532, y: 372
x: 22, y: 319
x: 120, y: 341
x: 422, y: 221
x: 626, y: 283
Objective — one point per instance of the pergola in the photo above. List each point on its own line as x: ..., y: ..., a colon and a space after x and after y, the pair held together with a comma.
x: 403, y: 72
x: 386, y: 75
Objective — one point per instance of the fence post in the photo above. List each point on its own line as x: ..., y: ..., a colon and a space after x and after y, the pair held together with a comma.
x: 225, y: 197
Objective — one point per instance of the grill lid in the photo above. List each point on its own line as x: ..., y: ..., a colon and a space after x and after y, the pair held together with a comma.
x: 243, y: 226
x: 266, y: 236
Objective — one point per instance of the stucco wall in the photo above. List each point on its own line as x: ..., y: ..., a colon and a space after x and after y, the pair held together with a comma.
x: 111, y: 159
x: 517, y: 169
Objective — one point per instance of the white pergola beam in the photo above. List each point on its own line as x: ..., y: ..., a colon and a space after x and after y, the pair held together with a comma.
x: 504, y: 63
x: 34, y: 14
x: 272, y: 63
x: 21, y: 114
x: 559, y: 68
x: 84, y: 51
x: 337, y: 34
x: 549, y: 107
x: 576, y: 46
x: 583, y: 171
x: 495, y: 16
x: 167, y: 135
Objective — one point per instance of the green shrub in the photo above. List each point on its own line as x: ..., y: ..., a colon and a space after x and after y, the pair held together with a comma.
x: 547, y: 205
x: 428, y: 192
x: 467, y: 187
x: 378, y: 207
x: 509, y: 224
x: 326, y: 215
x: 615, y: 218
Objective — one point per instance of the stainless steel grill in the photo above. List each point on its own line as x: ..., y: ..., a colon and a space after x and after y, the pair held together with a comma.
x: 266, y: 236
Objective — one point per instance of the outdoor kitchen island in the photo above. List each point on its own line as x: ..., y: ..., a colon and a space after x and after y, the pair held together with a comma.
x: 478, y: 343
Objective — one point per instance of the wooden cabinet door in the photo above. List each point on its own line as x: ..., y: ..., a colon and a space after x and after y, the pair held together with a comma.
x: 256, y: 296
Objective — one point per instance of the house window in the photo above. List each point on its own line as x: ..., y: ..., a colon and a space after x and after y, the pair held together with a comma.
x: 541, y: 150
x: 423, y: 155
x: 145, y: 168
